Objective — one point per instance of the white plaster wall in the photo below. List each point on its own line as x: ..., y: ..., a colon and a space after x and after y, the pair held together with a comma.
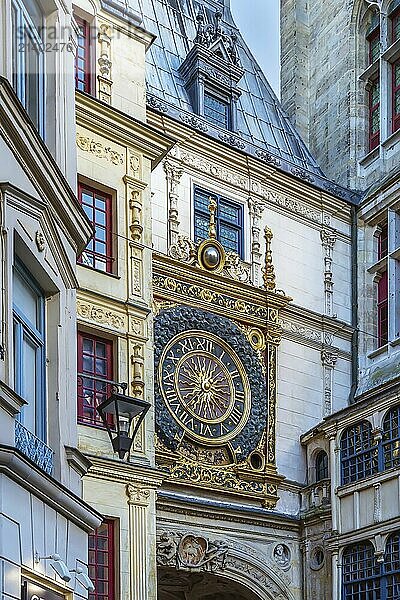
x: 29, y: 526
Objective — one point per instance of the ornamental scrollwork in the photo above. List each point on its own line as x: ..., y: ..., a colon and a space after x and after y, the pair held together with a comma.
x: 86, y: 144
x: 100, y: 315
x: 190, y: 552
x: 183, y: 250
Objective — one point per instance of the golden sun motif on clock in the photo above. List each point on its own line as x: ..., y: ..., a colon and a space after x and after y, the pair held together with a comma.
x: 204, y: 386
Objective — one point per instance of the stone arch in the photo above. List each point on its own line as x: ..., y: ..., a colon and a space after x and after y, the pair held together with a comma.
x: 226, y: 560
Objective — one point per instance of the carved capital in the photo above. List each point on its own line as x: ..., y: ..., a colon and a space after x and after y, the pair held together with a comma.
x: 138, y: 493
x: 329, y: 358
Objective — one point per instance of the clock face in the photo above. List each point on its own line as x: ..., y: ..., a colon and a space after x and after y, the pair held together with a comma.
x: 204, y: 386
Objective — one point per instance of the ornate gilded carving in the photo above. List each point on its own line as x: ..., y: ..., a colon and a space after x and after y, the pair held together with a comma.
x: 256, y: 209
x: 269, y: 271
x: 228, y: 416
x: 86, y: 144
x: 272, y: 378
x: 100, y: 315
x: 169, y: 284
x: 185, y: 250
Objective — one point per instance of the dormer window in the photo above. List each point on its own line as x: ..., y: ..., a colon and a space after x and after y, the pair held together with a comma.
x: 211, y: 72
x: 216, y: 111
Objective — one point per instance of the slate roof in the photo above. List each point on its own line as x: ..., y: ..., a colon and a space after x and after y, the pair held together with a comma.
x: 263, y: 128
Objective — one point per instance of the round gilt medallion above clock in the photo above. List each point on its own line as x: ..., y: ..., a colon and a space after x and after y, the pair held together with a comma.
x: 210, y: 388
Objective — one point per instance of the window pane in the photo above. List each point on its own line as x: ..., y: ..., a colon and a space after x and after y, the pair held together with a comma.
x: 102, y: 562
x: 29, y: 382
x: 216, y: 111
x: 25, y: 299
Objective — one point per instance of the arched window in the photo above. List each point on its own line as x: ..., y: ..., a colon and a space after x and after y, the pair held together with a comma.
x: 321, y: 466
x: 392, y: 567
x: 359, y: 453
x: 391, y: 438
x: 361, y: 573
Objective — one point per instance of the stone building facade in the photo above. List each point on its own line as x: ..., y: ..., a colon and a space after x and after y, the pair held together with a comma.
x: 44, y: 522
x: 341, y: 90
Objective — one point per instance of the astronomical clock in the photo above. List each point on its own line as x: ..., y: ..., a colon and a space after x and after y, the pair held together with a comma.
x: 216, y: 337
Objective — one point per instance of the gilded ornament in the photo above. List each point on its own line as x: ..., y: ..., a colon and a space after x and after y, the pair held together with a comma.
x: 269, y: 271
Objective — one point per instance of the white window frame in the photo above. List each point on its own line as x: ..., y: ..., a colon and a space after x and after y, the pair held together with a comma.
x: 25, y: 24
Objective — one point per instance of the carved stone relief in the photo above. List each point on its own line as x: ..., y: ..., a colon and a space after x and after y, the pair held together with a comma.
x: 100, y: 315
x: 104, y: 62
x: 328, y: 240
x: 87, y: 144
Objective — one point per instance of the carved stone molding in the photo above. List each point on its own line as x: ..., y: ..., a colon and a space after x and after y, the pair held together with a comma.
x: 104, y: 62
x: 194, y: 122
x: 232, y: 140
x: 328, y: 359
x: 256, y: 209
x: 190, y: 552
x: 137, y: 363
x: 100, y: 315
x: 135, y: 206
x: 87, y: 144
x: 157, y: 104
x: 138, y: 493
x: 173, y: 174
x: 40, y: 241
x: 328, y: 240
x: 210, y: 168
x: 185, y: 250
x: 377, y: 503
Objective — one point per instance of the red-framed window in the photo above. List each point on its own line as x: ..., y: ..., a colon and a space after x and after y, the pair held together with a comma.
x: 374, y: 114
x: 395, y: 20
x: 101, y: 561
x: 383, y: 316
x: 396, y: 95
x: 95, y: 374
x: 97, y: 205
x: 374, y: 45
x: 383, y: 241
x: 83, y: 79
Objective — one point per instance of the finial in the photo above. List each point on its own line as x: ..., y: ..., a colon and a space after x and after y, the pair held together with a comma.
x: 269, y: 271
x: 212, y: 230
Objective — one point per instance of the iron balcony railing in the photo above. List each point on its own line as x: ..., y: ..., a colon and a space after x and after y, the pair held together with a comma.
x: 34, y: 448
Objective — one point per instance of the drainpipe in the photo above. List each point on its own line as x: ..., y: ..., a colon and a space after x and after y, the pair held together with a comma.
x: 354, y: 304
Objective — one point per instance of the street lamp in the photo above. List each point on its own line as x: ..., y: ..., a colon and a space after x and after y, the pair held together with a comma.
x: 123, y: 410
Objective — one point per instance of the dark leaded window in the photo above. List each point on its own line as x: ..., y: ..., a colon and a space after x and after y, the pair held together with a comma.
x: 383, y: 310
x: 395, y: 18
x: 95, y: 372
x: 229, y: 220
x: 97, y: 206
x: 374, y: 114
x: 391, y: 438
x: 392, y: 567
x: 82, y: 60
x: 396, y: 96
x: 216, y: 111
x: 361, y: 573
x: 359, y: 453
x: 321, y: 466
x: 374, y: 48
x: 102, y: 561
